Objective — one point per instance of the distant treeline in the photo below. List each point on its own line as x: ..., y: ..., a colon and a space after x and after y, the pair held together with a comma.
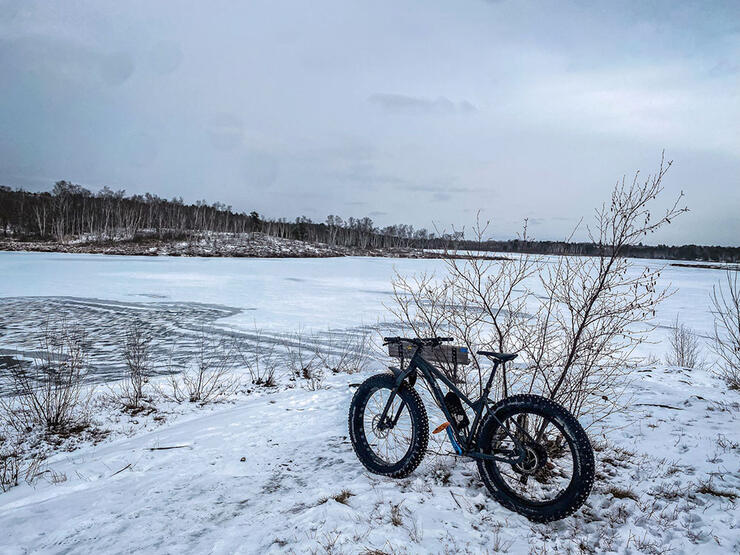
x: 683, y: 252
x: 72, y: 211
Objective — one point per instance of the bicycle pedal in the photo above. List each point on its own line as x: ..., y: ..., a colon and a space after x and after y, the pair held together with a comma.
x: 441, y: 427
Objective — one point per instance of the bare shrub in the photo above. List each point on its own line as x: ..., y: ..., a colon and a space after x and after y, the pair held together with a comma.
x: 479, y: 302
x: 313, y: 378
x: 685, y: 350
x: 304, y: 361
x: 302, y: 355
x: 10, y: 469
x: 48, y: 393
x: 137, y: 353
x: 621, y: 493
x: 595, y: 309
x: 707, y: 488
x: 209, y: 375
x: 396, y: 514
x: 341, y: 497
x: 346, y: 352
x: 578, y: 332
x: 32, y: 471
x: 726, y: 344
x: 261, y: 358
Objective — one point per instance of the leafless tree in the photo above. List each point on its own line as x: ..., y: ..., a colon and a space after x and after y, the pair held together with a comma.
x: 71, y: 211
x: 578, y: 333
x: 685, y: 350
x: 137, y: 353
x: 726, y: 344
x: 479, y: 301
x: 596, y: 308
x: 49, y: 393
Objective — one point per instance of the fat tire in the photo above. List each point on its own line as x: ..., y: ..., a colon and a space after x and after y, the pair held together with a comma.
x: 583, y: 475
x: 419, y: 427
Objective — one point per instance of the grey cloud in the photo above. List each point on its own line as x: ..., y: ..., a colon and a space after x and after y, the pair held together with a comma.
x: 9, y: 9
x: 256, y: 106
x: 165, y: 57
x: 116, y: 68
x: 725, y: 67
x: 226, y: 131
x: 442, y: 188
x: 63, y: 60
x: 366, y: 174
x: 403, y: 104
x: 259, y: 169
x: 141, y: 149
x: 564, y: 218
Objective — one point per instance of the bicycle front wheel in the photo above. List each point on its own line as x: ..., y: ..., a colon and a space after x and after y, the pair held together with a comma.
x: 557, y: 474
x: 395, y: 447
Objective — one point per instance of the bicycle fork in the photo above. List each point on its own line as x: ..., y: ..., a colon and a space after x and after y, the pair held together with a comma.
x: 382, y: 424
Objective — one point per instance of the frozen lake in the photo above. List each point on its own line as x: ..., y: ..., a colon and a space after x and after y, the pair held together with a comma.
x: 283, y: 294
x: 241, y: 294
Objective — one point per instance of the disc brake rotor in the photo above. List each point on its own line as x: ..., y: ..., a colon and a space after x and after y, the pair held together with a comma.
x: 536, y: 458
x: 379, y: 432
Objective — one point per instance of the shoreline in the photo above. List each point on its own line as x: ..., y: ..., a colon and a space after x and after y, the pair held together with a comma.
x: 254, y: 247
x: 275, y: 248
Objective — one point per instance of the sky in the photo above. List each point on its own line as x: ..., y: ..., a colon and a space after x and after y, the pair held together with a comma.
x: 418, y: 112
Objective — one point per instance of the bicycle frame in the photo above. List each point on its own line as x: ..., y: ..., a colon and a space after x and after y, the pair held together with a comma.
x: 431, y: 374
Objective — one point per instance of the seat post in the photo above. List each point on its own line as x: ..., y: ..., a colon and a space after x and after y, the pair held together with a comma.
x: 506, y: 389
x: 487, y: 389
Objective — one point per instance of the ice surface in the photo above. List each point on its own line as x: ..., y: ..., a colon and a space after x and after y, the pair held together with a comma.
x: 283, y: 294
x: 276, y: 293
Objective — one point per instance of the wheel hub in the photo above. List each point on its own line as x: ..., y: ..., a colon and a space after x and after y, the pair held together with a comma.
x: 380, y: 429
x: 534, y: 459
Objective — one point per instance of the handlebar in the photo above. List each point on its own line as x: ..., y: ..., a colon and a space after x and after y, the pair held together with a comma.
x: 419, y: 342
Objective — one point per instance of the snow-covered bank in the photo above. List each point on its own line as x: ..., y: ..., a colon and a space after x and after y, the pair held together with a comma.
x: 219, y: 245
x: 274, y: 472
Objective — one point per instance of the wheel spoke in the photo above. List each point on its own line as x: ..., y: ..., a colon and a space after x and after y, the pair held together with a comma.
x: 388, y: 444
x: 549, y: 460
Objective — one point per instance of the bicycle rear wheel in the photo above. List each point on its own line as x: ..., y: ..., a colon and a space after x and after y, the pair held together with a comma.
x: 556, y: 476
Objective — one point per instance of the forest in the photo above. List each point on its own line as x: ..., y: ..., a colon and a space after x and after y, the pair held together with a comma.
x: 71, y: 211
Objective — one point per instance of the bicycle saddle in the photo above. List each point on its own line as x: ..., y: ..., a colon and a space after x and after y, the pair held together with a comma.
x: 501, y: 357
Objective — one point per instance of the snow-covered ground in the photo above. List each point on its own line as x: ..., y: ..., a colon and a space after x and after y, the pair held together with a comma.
x: 272, y: 470
x: 275, y: 472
